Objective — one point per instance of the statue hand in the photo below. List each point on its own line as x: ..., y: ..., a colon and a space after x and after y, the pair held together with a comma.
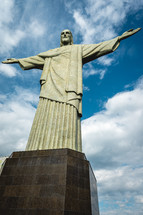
x: 10, y: 60
x: 129, y: 33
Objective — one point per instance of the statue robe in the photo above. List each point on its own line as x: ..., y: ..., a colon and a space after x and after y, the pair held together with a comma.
x: 57, y: 119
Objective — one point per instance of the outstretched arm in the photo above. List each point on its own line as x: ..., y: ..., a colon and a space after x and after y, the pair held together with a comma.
x: 34, y: 62
x: 128, y: 33
x: 94, y: 51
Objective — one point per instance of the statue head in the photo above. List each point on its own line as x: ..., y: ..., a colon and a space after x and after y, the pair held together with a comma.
x: 66, y: 38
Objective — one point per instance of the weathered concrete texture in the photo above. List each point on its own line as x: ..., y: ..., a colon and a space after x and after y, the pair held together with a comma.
x: 48, y: 182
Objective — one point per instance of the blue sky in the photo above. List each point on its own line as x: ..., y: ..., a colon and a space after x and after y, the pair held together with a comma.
x: 112, y: 130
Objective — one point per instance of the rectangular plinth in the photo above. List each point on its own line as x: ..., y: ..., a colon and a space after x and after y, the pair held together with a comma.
x: 48, y: 182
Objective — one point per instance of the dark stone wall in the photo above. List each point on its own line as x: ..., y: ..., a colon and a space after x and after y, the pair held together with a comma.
x: 47, y: 182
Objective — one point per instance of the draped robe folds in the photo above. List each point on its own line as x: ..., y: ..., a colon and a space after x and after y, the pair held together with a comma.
x: 57, y: 119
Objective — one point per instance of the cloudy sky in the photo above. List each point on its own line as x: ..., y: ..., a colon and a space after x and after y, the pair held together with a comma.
x: 112, y: 119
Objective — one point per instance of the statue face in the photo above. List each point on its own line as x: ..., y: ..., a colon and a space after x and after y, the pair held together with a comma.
x: 66, y: 37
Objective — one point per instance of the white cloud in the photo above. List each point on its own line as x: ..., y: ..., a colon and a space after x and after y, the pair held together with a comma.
x: 112, y: 141
x: 119, y: 126
x: 87, y: 73
x: 121, y: 179
x: 85, y: 29
x: 8, y: 70
x: 123, y: 186
x: 105, y: 60
x: 139, y: 199
x: 6, y: 6
x: 16, y: 114
x: 9, y: 37
x: 12, y: 33
x: 139, y: 83
x: 89, y: 70
x: 36, y: 28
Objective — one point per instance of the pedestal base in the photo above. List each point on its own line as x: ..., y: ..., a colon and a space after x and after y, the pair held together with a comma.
x: 48, y: 182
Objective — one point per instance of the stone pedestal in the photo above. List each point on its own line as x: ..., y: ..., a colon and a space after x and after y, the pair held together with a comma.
x: 48, y: 182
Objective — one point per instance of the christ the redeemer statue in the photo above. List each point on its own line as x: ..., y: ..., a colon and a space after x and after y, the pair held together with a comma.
x: 57, y: 119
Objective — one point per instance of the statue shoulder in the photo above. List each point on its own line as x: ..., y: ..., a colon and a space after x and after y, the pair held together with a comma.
x: 57, y: 51
x: 49, y: 52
